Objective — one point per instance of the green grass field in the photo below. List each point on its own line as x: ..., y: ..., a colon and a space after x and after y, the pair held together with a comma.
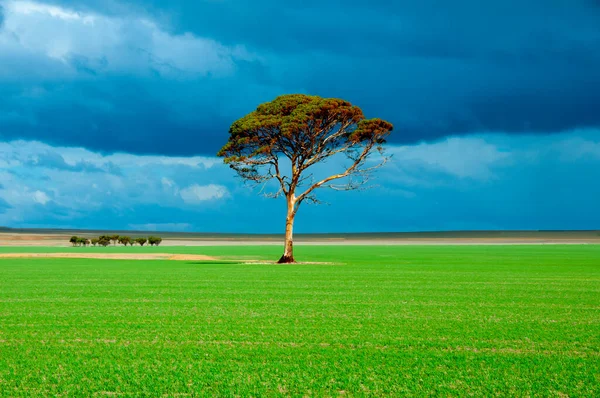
x: 387, y: 320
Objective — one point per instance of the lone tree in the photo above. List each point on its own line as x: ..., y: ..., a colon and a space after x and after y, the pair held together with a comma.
x: 282, y: 140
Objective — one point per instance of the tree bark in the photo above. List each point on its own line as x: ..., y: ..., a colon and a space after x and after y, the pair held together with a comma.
x: 288, y: 251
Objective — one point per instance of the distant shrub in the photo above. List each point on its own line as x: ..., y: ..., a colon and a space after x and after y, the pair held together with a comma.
x: 141, y: 241
x: 104, y: 241
x: 154, y: 240
x: 79, y: 241
x: 125, y: 240
x: 83, y: 241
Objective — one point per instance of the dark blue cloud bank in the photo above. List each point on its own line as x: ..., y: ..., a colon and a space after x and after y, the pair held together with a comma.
x: 111, y: 112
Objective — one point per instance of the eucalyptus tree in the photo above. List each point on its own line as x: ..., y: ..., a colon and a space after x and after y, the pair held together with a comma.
x: 283, y: 140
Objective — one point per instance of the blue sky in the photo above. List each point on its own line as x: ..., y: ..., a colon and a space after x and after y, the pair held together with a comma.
x: 111, y: 112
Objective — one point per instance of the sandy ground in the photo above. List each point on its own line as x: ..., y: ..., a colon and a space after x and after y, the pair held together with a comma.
x: 112, y: 256
x: 60, y: 240
x: 133, y: 256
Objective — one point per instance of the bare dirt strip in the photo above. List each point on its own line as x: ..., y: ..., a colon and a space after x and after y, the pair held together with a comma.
x: 113, y: 256
x: 442, y: 238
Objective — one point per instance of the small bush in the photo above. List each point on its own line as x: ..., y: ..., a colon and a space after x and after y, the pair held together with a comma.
x: 83, y: 241
x: 154, y: 240
x: 79, y: 241
x: 125, y: 240
x: 104, y: 241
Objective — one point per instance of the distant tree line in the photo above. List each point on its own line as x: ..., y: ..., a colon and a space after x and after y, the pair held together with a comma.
x: 106, y: 240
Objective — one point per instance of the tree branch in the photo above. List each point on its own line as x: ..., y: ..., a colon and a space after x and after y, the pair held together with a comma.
x: 353, y: 169
x: 278, y: 175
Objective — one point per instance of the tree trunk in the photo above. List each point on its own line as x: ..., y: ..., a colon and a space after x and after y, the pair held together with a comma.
x: 288, y: 252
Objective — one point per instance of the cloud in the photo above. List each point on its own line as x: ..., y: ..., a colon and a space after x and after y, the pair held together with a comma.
x: 167, y: 183
x: 529, y: 71
x: 108, y: 188
x: 495, y: 181
x: 114, y: 83
x: 86, y: 43
x: 576, y: 148
x: 54, y: 160
x: 196, y: 193
x: 483, y: 181
x: 463, y: 157
x: 385, y: 27
x: 169, y: 78
x: 40, y: 197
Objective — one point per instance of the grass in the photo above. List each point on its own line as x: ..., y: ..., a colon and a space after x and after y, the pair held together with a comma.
x: 387, y: 320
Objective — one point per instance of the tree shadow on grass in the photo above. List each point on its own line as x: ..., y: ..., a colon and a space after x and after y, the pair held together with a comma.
x: 229, y: 262
x: 257, y: 262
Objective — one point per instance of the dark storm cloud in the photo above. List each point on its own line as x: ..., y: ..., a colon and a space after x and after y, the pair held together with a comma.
x: 122, y: 115
x: 432, y: 68
x: 430, y: 27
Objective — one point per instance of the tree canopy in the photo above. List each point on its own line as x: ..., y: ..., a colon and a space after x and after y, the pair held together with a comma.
x: 307, y: 130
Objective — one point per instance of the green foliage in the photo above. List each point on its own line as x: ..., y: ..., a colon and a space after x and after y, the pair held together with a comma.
x: 114, y: 239
x: 141, y: 241
x: 79, y: 241
x: 125, y: 240
x: 154, y: 240
x: 301, y: 127
x: 373, y: 321
x: 105, y: 240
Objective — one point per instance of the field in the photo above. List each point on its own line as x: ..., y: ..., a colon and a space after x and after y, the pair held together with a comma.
x: 366, y: 321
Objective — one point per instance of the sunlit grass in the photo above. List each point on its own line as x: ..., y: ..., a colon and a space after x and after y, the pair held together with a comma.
x: 380, y: 320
